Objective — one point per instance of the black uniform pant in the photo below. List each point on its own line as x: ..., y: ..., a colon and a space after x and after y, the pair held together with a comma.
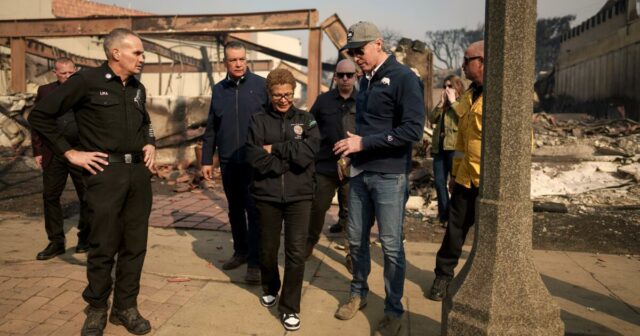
x: 119, y: 200
x: 296, y: 224
x: 462, y: 211
x: 326, y: 187
x: 236, y: 180
x: 54, y: 178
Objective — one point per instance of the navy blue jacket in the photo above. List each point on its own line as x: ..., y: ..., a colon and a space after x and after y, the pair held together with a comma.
x: 390, y: 116
x: 232, y: 106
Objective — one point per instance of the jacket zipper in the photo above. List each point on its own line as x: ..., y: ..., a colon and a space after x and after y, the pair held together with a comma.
x: 126, y: 112
x: 237, y: 122
x: 282, y: 138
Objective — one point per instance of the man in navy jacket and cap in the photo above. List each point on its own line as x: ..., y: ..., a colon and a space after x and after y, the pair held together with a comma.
x: 390, y: 114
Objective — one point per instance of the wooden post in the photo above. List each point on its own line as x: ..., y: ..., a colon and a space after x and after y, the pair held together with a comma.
x: 314, y: 65
x: 18, y: 65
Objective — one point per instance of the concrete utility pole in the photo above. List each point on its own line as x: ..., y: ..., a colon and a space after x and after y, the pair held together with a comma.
x: 499, y: 291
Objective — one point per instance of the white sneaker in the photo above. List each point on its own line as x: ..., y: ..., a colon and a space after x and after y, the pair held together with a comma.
x: 290, y: 322
x: 268, y: 300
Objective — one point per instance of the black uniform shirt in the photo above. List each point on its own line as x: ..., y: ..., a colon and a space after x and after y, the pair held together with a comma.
x: 111, y: 117
x: 335, y: 116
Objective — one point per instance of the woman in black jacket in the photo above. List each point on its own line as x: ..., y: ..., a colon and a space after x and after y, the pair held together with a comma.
x: 281, y: 148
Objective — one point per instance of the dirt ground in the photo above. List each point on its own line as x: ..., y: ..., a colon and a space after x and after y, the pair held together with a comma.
x: 611, y: 229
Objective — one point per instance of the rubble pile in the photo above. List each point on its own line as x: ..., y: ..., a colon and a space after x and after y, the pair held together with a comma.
x: 618, y: 137
x: 579, y: 164
x: 185, y: 177
x: 14, y: 131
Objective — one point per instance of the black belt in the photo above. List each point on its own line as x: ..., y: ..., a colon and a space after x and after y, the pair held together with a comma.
x: 126, y: 157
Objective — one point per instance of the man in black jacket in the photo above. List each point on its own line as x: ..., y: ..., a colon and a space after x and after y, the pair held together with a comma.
x: 235, y: 99
x: 56, y: 169
x: 117, y: 150
x: 390, y: 115
x: 335, y: 112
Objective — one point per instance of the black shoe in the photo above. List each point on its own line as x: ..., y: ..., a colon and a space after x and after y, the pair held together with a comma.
x: 52, y: 250
x: 83, y: 246
x: 95, y: 322
x: 234, y: 262
x: 336, y: 228
x: 131, y: 319
x: 438, y: 289
x: 290, y: 322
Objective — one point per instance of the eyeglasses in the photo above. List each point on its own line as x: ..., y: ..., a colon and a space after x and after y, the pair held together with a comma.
x: 287, y: 96
x: 468, y: 60
x: 343, y: 74
x: 448, y: 86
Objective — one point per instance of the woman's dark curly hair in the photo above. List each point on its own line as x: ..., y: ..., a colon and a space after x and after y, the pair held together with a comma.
x: 280, y: 77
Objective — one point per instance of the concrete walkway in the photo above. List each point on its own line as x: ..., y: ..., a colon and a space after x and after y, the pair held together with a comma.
x: 185, y: 291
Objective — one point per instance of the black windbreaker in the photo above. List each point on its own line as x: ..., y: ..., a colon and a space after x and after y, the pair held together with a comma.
x: 287, y: 174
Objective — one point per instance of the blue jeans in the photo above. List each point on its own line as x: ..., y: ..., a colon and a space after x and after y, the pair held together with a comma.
x: 381, y: 197
x: 442, y: 164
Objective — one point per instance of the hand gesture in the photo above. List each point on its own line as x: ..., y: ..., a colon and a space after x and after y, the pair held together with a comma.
x: 149, y: 155
x: 91, y: 161
x: 450, y: 95
x: 207, y: 172
x: 346, y: 146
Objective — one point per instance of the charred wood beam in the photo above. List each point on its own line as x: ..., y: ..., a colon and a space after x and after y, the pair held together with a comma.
x: 299, y: 75
x: 162, y: 24
x: 163, y: 51
x: 18, y: 64
x: 166, y: 67
x: 336, y: 32
x: 44, y: 50
x: 37, y: 48
x: 278, y: 54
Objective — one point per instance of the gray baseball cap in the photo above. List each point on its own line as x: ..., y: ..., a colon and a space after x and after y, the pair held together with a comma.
x: 360, y: 34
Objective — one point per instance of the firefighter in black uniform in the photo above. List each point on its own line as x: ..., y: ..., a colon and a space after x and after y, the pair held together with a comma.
x: 117, y: 150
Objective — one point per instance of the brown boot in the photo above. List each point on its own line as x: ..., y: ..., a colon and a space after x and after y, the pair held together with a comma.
x: 389, y: 326
x: 349, y: 310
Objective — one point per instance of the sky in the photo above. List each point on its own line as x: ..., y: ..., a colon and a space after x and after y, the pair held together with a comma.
x: 410, y: 18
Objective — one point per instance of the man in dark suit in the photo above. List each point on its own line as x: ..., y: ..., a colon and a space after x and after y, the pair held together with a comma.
x: 55, y: 169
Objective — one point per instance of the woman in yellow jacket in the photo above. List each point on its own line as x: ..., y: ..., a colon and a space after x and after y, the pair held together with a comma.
x: 443, y: 142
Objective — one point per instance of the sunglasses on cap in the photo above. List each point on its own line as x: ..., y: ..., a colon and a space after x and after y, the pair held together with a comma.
x: 343, y: 74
